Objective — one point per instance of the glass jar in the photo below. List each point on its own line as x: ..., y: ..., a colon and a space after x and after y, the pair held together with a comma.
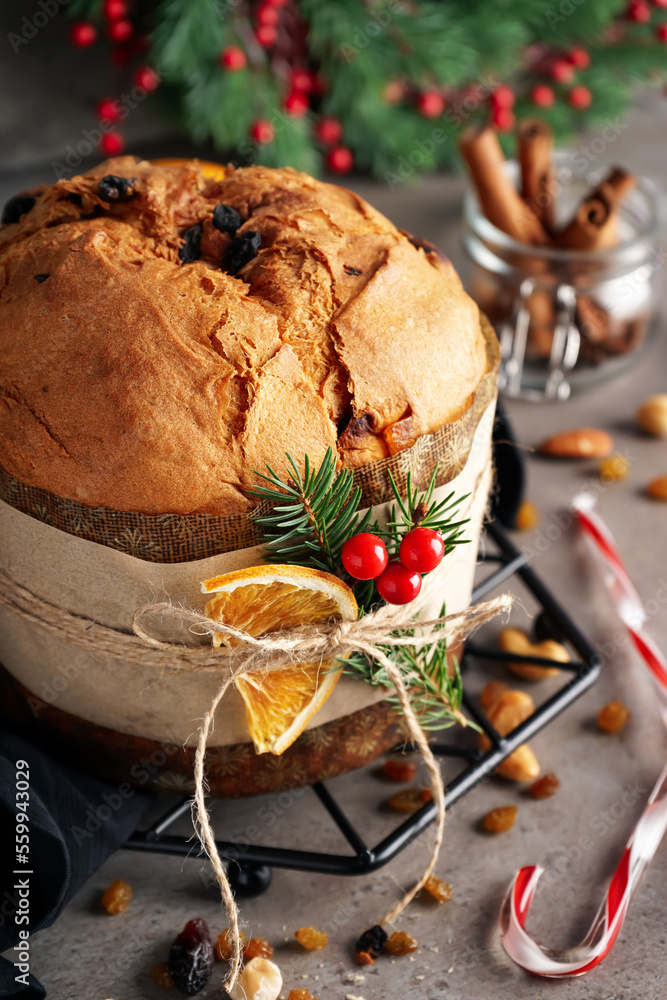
x: 567, y: 318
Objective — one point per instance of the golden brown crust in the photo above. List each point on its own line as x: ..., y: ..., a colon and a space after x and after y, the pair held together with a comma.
x: 131, y: 380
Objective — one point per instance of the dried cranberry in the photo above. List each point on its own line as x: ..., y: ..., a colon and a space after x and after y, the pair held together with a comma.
x: 191, y: 249
x: 112, y: 188
x: 191, y: 958
x: 16, y: 207
x: 372, y: 941
x: 226, y: 219
x: 241, y: 250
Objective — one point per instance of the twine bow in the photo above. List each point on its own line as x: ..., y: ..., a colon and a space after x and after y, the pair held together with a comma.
x: 388, y: 626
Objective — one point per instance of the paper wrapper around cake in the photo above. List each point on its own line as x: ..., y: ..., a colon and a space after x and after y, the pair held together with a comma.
x: 136, y: 724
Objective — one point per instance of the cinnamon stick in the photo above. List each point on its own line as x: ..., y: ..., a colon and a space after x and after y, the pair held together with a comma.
x: 595, y: 222
x: 535, y: 147
x: 499, y: 200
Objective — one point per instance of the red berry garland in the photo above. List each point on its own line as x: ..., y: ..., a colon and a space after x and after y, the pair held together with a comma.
x: 233, y: 58
x: 543, y: 96
x: 82, y: 34
x: 262, y: 132
x: 120, y: 31
x: 503, y: 97
x: 431, y: 104
x: 146, y: 78
x: 398, y: 585
x: 108, y: 110
x: 503, y: 119
x: 302, y: 80
x: 562, y: 71
x: 364, y: 556
x: 662, y: 32
x: 268, y: 14
x: 580, y: 98
x: 266, y: 35
x: 639, y: 12
x: 340, y: 159
x: 580, y: 58
x: 114, y: 10
x: 329, y: 130
x: 296, y: 104
x: 422, y: 549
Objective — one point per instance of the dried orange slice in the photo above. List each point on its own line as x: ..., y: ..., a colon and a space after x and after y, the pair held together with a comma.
x: 209, y: 169
x: 262, y: 599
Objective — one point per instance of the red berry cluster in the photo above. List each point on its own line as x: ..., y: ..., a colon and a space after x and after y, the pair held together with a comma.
x: 399, y: 581
x: 562, y: 67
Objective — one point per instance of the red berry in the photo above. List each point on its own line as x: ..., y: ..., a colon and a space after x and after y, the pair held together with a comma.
x: 398, y: 585
x: 329, y: 130
x: 108, y: 110
x: 580, y: 98
x: 268, y: 14
x: 340, y: 159
x: 147, y: 78
x: 112, y: 144
x: 660, y: 3
x: 114, y: 9
x: 82, y: 34
x: 302, y: 80
x: 276, y: 3
x: 639, y: 11
x: 431, y: 104
x: 120, y: 31
x: 503, y: 97
x: 503, y: 119
x: 662, y: 32
x: 562, y: 71
x: 266, y: 35
x: 580, y: 58
x: 296, y: 104
x: 233, y: 58
x: 364, y: 556
x: 422, y: 549
x: 262, y: 132
x: 543, y: 96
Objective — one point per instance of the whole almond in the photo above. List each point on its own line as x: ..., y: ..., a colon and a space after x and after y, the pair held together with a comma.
x: 652, y: 416
x: 658, y: 488
x: 505, y: 713
x: 513, y: 640
x: 583, y: 442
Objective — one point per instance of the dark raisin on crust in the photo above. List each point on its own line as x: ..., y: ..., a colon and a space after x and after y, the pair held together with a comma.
x: 241, y: 250
x: 351, y: 270
x: 357, y: 427
x: 112, y: 188
x: 41, y: 277
x: 226, y: 219
x: 191, y: 958
x: 16, y: 207
x: 191, y: 249
x: 426, y: 246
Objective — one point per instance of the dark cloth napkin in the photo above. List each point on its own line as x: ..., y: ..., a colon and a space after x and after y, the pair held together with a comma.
x: 75, y: 822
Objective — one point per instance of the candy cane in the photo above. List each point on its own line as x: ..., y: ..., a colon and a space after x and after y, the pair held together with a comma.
x: 651, y: 826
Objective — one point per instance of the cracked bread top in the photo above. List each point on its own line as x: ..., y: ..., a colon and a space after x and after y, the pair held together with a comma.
x: 144, y: 366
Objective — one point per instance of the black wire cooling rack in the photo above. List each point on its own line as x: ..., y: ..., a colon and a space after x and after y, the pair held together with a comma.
x: 251, y: 869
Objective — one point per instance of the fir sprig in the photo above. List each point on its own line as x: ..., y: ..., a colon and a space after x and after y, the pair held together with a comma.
x: 419, y: 510
x: 436, y: 693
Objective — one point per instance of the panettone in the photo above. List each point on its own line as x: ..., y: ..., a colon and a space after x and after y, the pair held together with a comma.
x: 155, y: 348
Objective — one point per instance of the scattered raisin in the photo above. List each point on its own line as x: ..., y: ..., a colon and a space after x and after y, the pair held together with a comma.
x: 500, y: 820
x: 191, y: 249
x: 371, y: 943
x: 311, y: 939
x: 613, y: 717
x: 223, y: 946
x: 438, y: 888
x: 257, y: 948
x: 191, y: 958
x: 117, y: 896
x: 399, y: 769
x: 161, y: 976
x: 410, y: 799
x: 613, y: 468
x: 112, y: 188
x: 364, y: 958
x: 351, y: 270
x: 544, y: 787
x: 41, y: 277
x: 226, y: 219
x: 401, y: 943
x: 241, y: 250
x: 17, y: 207
x: 528, y: 516
x: 490, y: 692
x: 300, y: 995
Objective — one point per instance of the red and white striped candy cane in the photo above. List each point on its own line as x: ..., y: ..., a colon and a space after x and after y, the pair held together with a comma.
x: 652, y: 824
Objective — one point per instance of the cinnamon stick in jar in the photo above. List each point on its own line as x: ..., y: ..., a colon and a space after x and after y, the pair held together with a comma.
x: 595, y: 222
x: 538, y: 175
x: 499, y: 200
